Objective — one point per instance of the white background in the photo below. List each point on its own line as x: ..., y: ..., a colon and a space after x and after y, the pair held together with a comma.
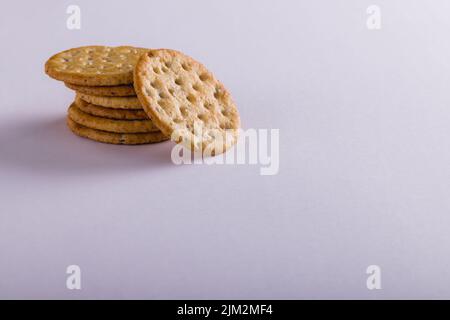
x: 364, y: 119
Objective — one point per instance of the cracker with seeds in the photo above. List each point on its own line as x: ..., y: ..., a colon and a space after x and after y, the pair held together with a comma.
x: 107, y: 91
x: 186, y: 102
x: 95, y: 65
x: 112, y: 102
x: 117, y: 114
x: 115, y: 138
x: 110, y: 125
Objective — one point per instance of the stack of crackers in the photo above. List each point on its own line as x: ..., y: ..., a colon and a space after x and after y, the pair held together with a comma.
x: 128, y: 95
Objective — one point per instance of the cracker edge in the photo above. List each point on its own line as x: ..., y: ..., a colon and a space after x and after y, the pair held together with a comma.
x: 123, y: 90
x: 73, y: 110
x: 111, y: 79
x: 114, y: 138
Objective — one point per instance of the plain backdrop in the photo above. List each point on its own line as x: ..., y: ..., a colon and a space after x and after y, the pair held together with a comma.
x: 364, y: 120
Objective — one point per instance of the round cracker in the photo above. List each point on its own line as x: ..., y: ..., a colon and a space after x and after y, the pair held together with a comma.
x: 112, y: 102
x: 115, y: 138
x: 186, y: 101
x: 107, y: 91
x: 104, y: 124
x: 95, y: 65
x: 117, y: 114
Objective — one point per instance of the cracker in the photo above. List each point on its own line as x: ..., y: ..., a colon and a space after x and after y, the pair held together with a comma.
x: 112, y: 102
x: 104, y: 124
x: 95, y: 65
x: 107, y: 91
x: 186, y: 101
x: 117, y: 114
x: 115, y: 138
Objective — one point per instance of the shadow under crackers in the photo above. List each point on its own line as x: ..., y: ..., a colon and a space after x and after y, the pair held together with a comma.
x: 48, y: 147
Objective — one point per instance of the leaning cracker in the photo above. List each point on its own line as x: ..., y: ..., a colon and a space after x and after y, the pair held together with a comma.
x: 117, y: 114
x: 104, y: 124
x: 95, y: 65
x: 114, y: 138
x: 186, y: 101
x: 112, y: 102
x: 107, y: 91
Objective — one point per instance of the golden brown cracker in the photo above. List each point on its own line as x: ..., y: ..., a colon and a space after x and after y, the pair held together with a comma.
x: 95, y: 65
x: 110, y: 125
x: 107, y: 91
x: 115, y: 138
x: 117, y: 114
x: 112, y: 102
x: 186, y: 101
